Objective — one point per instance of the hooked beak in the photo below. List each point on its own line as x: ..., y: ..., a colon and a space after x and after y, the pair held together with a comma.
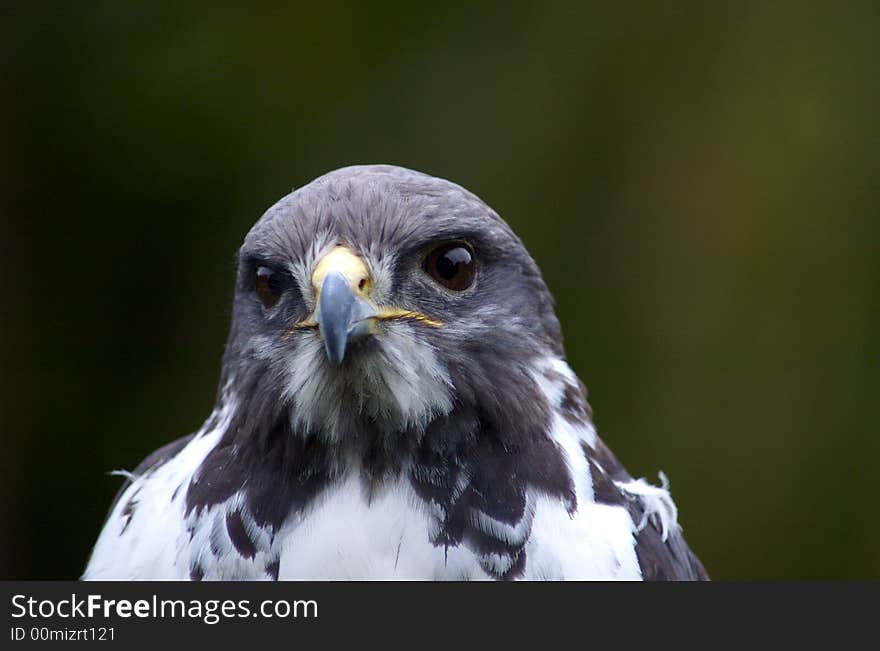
x: 344, y: 312
x: 342, y: 315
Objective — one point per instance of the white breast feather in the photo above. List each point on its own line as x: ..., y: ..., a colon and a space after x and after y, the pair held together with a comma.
x: 346, y: 534
x: 153, y: 543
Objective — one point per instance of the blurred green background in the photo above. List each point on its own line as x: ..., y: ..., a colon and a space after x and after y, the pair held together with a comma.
x: 698, y: 182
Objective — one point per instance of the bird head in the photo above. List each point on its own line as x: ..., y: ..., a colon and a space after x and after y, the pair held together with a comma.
x: 378, y: 294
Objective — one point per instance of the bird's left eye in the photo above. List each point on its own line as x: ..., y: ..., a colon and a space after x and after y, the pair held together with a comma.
x: 267, y: 286
x: 452, y: 265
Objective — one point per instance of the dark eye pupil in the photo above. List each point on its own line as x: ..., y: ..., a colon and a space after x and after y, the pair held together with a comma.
x: 451, y: 265
x: 267, y: 287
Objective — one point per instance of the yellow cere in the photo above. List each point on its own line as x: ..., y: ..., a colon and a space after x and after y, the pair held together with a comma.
x: 342, y: 260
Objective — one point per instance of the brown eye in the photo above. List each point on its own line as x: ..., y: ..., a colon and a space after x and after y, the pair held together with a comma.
x: 267, y: 286
x: 451, y: 265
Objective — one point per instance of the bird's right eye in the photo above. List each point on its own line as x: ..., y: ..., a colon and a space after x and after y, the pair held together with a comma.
x: 267, y: 286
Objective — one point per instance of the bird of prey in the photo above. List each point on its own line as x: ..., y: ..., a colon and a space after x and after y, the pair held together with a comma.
x: 394, y: 403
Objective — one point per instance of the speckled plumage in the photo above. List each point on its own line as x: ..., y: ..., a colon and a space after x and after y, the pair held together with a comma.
x: 465, y: 451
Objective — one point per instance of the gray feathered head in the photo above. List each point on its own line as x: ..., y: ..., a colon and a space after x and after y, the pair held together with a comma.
x: 380, y: 293
x: 391, y: 322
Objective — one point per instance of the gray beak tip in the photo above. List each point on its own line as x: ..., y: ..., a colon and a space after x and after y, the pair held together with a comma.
x: 335, y: 352
x: 339, y: 312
